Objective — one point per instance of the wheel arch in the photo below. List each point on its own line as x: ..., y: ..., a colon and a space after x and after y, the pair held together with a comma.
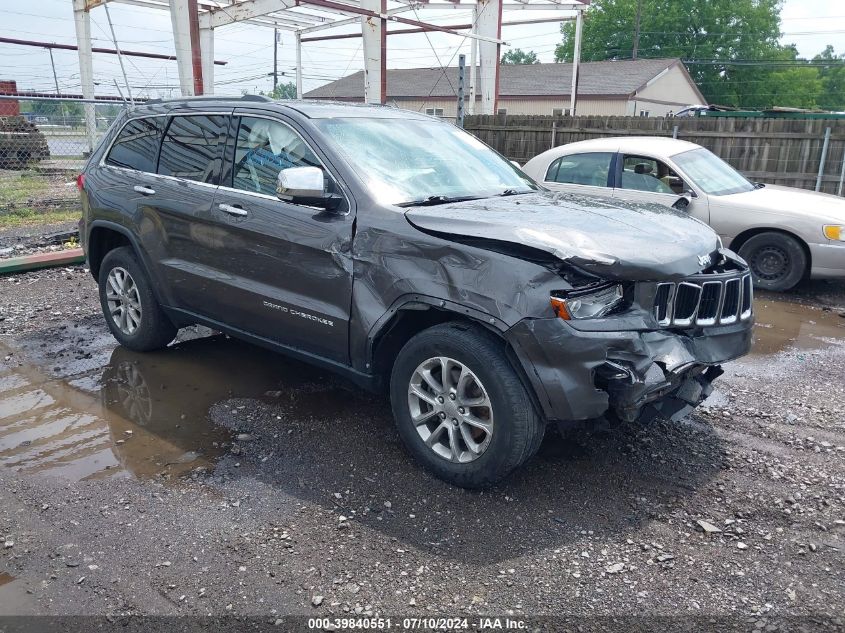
x: 103, y: 237
x: 411, y: 315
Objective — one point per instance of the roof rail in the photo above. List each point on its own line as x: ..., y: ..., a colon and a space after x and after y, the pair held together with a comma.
x: 261, y: 98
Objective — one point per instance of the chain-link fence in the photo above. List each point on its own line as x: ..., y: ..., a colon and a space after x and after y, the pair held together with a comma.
x: 43, y: 147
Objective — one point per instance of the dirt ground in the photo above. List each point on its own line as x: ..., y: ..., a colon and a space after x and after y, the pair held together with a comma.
x: 218, y: 479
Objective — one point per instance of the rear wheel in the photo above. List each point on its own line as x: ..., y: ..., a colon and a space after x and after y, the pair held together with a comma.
x: 460, y: 407
x: 132, y: 312
x: 777, y: 261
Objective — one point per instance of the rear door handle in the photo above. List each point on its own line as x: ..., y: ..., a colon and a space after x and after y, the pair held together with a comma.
x: 144, y: 190
x: 231, y: 210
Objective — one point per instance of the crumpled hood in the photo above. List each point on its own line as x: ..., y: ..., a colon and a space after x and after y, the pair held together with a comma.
x: 791, y: 201
x: 610, y: 238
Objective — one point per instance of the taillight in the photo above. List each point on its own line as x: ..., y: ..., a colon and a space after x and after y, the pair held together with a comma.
x: 80, y: 182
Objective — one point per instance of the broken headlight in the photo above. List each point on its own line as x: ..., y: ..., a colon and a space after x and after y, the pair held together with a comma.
x: 587, y: 304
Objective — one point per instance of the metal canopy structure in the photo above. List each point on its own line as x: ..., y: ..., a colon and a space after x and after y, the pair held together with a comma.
x: 194, y: 23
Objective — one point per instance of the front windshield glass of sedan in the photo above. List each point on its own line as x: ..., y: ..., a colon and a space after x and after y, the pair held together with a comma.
x: 713, y: 175
x: 410, y: 160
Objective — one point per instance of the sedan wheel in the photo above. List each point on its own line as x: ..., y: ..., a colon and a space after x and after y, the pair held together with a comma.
x: 777, y: 261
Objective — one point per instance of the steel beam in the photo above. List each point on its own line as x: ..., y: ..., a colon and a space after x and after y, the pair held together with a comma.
x: 489, y: 25
x: 576, y: 63
x: 348, y: 21
x: 82, y: 22
x: 374, y: 30
x: 207, y: 54
x: 228, y: 14
x: 181, y: 21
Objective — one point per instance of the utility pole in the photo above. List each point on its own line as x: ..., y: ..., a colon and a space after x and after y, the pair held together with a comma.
x: 275, y: 59
x: 637, y: 30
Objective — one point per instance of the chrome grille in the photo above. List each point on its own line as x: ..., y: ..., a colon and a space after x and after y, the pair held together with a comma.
x: 704, y: 301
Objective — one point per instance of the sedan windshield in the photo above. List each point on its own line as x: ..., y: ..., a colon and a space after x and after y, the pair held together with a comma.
x: 713, y: 175
x: 407, y: 161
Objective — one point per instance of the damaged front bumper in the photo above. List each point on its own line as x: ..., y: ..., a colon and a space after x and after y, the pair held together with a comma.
x: 579, y: 373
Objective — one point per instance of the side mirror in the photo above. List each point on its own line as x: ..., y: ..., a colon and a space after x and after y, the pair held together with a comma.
x: 305, y: 185
x: 682, y: 203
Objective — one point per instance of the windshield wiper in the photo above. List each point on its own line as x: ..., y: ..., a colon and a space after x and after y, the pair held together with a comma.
x: 434, y: 200
x: 512, y: 192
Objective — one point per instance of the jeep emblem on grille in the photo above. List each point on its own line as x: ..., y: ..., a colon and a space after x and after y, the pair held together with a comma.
x: 704, y: 260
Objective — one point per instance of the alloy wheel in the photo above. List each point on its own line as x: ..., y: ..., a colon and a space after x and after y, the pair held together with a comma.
x: 123, y: 300
x: 450, y: 409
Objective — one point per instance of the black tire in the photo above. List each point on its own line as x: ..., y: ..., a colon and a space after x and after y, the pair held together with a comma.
x: 154, y: 330
x: 777, y: 261
x: 517, y: 428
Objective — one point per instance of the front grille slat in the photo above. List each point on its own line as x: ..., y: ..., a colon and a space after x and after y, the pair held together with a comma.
x: 704, y: 301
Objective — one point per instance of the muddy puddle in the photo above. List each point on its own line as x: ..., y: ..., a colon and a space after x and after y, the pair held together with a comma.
x: 139, y: 415
x: 73, y: 405
x: 783, y: 325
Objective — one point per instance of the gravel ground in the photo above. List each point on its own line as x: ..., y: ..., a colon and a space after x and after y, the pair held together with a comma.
x: 269, y: 488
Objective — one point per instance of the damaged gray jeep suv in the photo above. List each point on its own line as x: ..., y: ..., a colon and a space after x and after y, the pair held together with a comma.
x: 400, y: 251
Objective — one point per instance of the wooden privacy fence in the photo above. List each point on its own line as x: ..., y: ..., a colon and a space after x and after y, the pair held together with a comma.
x: 790, y: 152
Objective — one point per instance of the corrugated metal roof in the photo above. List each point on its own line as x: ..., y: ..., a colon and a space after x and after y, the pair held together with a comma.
x: 609, y: 78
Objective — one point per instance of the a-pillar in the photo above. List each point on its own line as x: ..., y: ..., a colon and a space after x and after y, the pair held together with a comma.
x: 489, y: 24
x: 82, y: 21
x: 374, y: 31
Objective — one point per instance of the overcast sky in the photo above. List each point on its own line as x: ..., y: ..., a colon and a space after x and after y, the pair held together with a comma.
x: 810, y: 24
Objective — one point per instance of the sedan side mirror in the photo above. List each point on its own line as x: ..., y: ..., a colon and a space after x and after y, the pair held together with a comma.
x: 305, y: 185
x: 682, y: 203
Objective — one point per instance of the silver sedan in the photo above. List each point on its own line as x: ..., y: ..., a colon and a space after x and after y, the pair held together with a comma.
x: 784, y: 234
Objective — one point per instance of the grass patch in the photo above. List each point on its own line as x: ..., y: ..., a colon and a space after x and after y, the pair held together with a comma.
x: 30, y: 198
x: 22, y: 187
x: 26, y: 216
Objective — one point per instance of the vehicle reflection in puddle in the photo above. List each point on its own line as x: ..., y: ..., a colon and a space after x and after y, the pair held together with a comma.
x: 781, y: 325
x: 142, y: 414
x: 79, y: 408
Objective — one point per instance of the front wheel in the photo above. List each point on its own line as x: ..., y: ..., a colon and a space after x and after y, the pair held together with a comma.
x: 460, y: 407
x: 777, y: 261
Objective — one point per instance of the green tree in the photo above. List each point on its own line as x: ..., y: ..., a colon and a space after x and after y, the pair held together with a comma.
x: 833, y: 80
x: 725, y: 42
x: 519, y: 56
x: 282, y: 91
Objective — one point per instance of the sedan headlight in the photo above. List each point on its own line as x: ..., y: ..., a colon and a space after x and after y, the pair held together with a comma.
x: 587, y: 304
x: 834, y: 232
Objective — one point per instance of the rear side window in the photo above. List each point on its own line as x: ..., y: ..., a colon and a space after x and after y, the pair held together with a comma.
x: 581, y: 169
x: 136, y: 147
x: 190, y: 148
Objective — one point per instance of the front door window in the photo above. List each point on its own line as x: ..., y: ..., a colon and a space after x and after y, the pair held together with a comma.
x: 265, y: 147
x: 640, y: 173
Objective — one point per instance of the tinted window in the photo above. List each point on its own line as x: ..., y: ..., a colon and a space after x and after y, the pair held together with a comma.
x: 581, y: 169
x: 263, y: 149
x: 647, y: 174
x: 190, y: 147
x: 137, y: 144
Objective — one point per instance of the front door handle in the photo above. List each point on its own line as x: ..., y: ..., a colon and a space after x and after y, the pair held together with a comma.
x: 232, y: 210
x: 144, y: 190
